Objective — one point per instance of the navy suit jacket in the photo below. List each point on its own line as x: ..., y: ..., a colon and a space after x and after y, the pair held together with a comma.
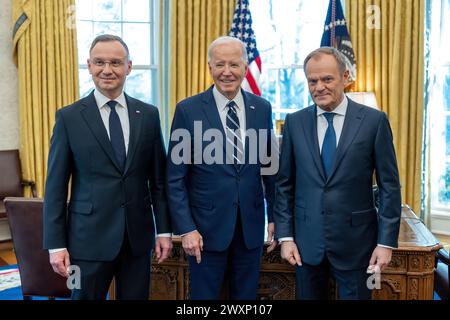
x: 105, y: 202
x: 337, y: 215
x: 206, y: 197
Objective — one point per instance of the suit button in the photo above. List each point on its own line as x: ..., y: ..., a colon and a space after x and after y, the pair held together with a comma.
x: 122, y: 205
x: 235, y: 204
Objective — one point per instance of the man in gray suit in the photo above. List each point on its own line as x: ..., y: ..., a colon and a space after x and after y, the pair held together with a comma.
x: 324, y: 211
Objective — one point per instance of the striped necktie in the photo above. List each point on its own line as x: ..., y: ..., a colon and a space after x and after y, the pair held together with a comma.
x: 234, y: 149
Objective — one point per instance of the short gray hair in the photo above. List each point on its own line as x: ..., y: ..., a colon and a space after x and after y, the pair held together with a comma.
x: 109, y: 38
x: 227, y: 39
x: 340, y: 58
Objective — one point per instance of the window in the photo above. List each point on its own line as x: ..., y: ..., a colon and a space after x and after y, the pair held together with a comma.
x: 438, y: 106
x: 136, y: 22
x: 286, y: 31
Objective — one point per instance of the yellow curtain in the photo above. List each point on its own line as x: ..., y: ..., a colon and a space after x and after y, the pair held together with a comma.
x: 194, y: 24
x: 388, y: 39
x: 45, y: 52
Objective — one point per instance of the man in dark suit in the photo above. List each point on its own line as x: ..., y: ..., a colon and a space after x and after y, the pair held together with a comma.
x: 325, y: 216
x: 110, y: 146
x: 217, y: 204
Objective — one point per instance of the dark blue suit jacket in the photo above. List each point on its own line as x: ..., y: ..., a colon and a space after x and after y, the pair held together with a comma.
x: 105, y: 202
x: 338, y: 215
x: 205, y: 197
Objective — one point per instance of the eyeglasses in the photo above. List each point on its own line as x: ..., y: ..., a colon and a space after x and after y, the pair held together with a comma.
x: 112, y: 63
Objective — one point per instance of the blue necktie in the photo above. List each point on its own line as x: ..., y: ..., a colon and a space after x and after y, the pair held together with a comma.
x: 233, y: 134
x: 116, y: 135
x: 329, y: 145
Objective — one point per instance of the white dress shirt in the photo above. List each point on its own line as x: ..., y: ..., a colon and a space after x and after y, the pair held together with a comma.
x: 322, y: 126
x: 122, y: 111
x: 221, y: 103
x: 338, y: 122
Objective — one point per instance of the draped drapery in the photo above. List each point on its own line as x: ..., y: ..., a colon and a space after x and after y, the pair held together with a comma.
x: 45, y: 52
x: 388, y: 39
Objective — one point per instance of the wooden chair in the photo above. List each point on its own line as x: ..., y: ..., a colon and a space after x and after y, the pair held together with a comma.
x: 25, y: 217
x: 11, y: 183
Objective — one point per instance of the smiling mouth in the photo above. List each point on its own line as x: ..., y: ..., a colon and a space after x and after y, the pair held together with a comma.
x: 227, y: 81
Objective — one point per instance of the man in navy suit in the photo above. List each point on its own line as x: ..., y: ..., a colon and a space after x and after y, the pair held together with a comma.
x: 325, y: 216
x: 110, y: 146
x: 217, y: 204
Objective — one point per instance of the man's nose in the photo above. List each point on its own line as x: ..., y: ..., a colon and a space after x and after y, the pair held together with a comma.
x: 320, y: 86
x: 227, y: 69
x: 107, y: 68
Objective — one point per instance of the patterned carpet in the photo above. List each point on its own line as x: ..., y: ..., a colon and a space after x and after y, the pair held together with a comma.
x: 9, y: 277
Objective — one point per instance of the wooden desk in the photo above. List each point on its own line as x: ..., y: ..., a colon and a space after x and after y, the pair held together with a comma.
x: 410, y: 274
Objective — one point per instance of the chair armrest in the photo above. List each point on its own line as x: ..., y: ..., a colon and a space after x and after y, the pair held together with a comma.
x: 443, y: 256
x: 32, y: 185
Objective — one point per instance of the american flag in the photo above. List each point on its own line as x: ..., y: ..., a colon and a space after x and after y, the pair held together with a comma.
x: 242, y: 29
x: 336, y: 35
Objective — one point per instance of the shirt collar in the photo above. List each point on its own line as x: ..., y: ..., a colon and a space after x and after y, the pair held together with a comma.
x: 341, y: 109
x: 102, y: 100
x: 222, y: 101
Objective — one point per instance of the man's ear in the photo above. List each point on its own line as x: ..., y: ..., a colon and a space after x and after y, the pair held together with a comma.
x: 89, y: 64
x: 209, y: 67
x: 346, y: 77
x: 129, y: 66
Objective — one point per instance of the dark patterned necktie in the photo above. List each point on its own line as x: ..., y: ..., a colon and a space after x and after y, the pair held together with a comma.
x: 329, y: 145
x: 116, y: 135
x: 234, y: 140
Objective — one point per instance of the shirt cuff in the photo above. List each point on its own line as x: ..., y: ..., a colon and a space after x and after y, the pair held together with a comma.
x: 382, y: 245
x: 56, y: 250
x: 164, y: 235
x: 285, y: 239
x: 182, y: 235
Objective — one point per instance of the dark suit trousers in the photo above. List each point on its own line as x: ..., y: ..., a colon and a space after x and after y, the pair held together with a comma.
x: 312, y: 282
x: 132, y: 276
x: 241, y: 264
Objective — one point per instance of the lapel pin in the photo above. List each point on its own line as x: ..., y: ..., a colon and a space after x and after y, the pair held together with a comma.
x: 252, y: 107
x: 137, y: 111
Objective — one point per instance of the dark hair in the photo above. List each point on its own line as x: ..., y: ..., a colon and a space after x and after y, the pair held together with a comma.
x: 340, y: 58
x: 109, y: 38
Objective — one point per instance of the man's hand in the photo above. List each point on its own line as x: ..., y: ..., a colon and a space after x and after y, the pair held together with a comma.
x: 270, y: 233
x: 289, y: 252
x: 380, y: 259
x: 193, y: 244
x: 163, y: 247
x: 60, y: 262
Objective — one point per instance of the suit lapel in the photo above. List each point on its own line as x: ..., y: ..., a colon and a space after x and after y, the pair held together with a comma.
x: 135, y: 115
x: 212, y: 114
x: 210, y: 110
x: 352, y: 123
x: 310, y: 132
x: 91, y: 115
